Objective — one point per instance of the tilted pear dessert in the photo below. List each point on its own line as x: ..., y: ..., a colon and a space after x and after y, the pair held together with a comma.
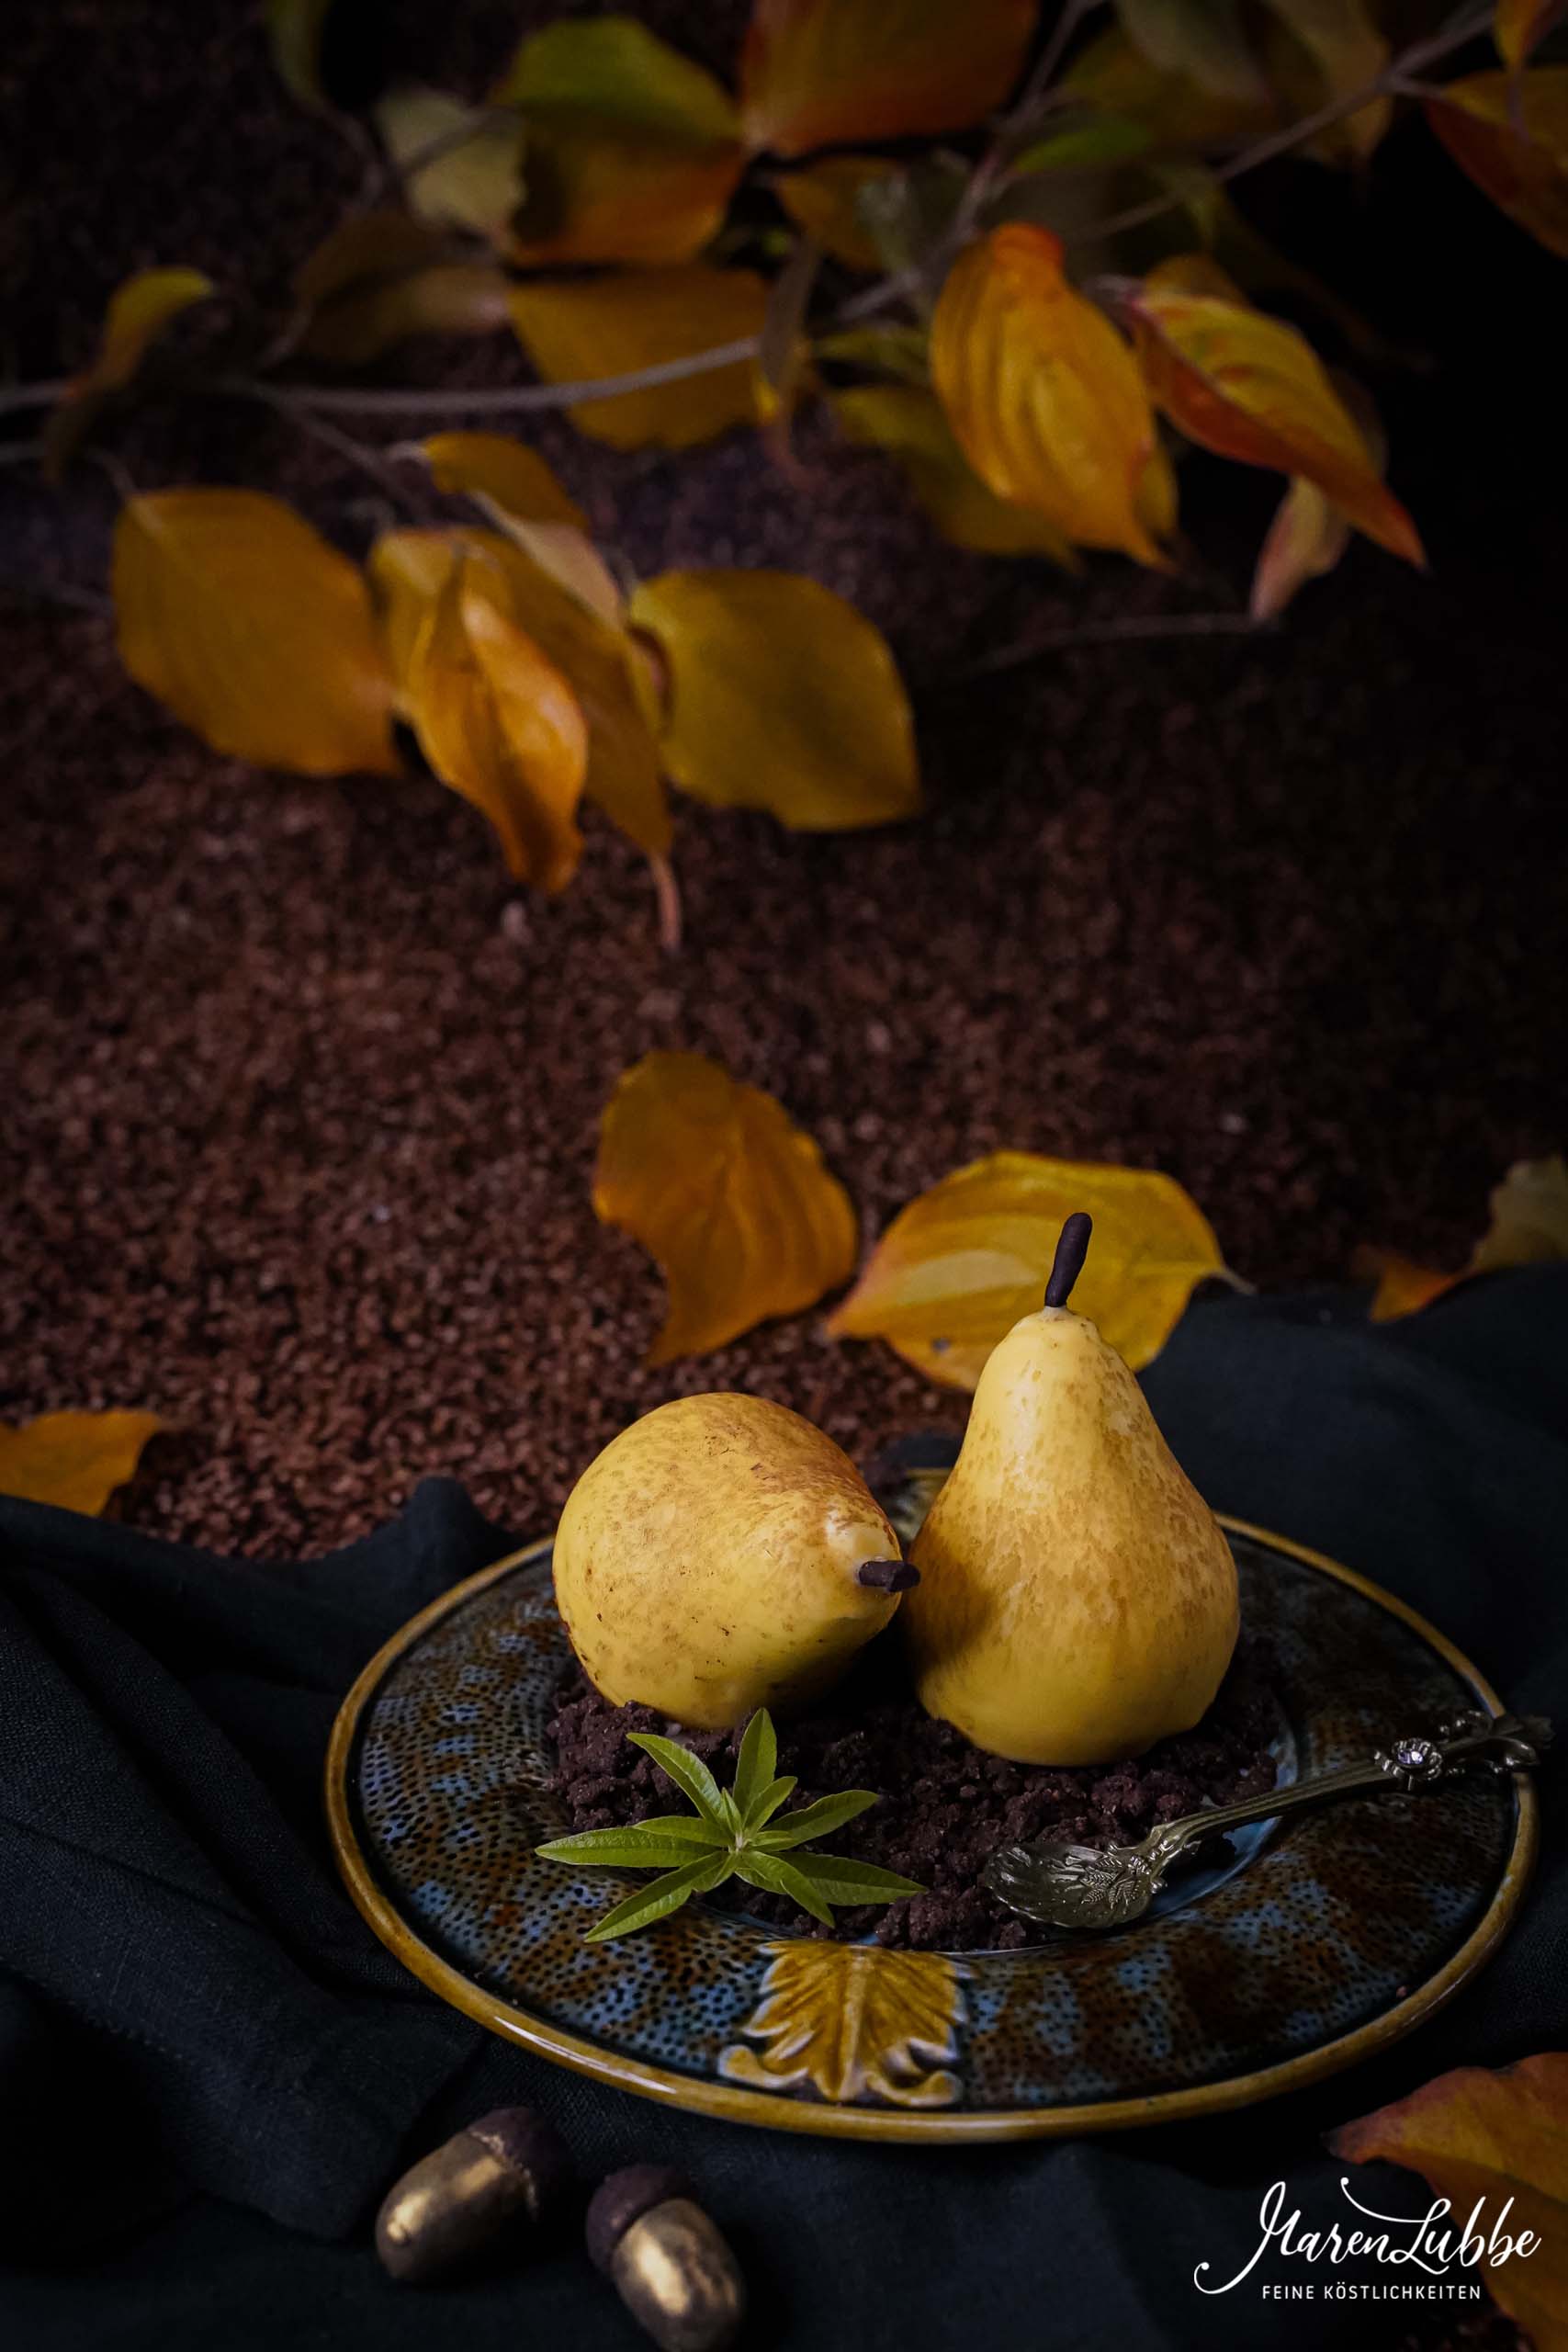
x: 1077, y: 1599
x: 722, y: 1554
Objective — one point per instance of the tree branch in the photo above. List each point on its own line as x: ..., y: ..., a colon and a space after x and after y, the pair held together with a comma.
x: 1471, y: 27
x: 1145, y: 628
x: 32, y: 395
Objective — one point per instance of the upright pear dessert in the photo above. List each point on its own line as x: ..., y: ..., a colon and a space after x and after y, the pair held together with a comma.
x: 722, y: 1554
x: 1077, y: 1599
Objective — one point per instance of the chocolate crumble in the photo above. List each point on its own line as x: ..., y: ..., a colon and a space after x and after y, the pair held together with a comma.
x: 944, y: 1806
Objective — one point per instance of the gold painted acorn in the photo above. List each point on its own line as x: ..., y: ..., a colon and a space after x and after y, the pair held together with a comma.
x: 501, y: 2177
x: 668, y: 2263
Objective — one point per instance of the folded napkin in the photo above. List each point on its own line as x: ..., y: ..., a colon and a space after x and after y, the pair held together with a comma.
x: 210, y: 2069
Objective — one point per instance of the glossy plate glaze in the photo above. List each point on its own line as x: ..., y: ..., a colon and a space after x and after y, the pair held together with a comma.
x: 1324, y: 1940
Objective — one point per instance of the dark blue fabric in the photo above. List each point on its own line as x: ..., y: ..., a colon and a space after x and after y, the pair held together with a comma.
x: 209, y: 2070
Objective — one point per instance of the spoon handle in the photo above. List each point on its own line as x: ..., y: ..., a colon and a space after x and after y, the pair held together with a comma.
x: 1504, y: 1743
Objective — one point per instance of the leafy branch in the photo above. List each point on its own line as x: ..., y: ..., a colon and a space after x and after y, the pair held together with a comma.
x: 736, y: 1832
x: 606, y: 203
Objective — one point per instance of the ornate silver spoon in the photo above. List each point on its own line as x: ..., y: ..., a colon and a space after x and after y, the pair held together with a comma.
x: 1091, y: 1886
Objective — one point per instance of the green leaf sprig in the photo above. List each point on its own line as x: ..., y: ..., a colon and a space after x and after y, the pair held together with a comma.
x: 731, y: 1833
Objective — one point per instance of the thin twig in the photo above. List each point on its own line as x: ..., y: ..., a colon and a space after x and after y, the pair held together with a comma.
x: 1148, y: 627
x: 33, y: 395
x: 1468, y: 28
x: 377, y: 463
x: 667, y: 894
x: 380, y: 399
x: 46, y: 593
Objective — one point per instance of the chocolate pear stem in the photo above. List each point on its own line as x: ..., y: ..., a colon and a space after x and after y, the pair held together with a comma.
x: 1068, y: 1264
x: 888, y: 1576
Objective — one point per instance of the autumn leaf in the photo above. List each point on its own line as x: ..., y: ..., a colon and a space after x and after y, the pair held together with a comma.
x: 780, y: 696
x: 1401, y: 1287
x: 294, y: 31
x: 1499, y: 2137
x: 632, y: 149
x: 1043, y: 393
x: 726, y: 1192
x: 1510, y: 133
x: 409, y: 570
x: 1529, y: 1218
x: 910, y: 425
x: 1200, y: 41
x: 381, y: 276
x: 516, y: 490
x: 1520, y: 24
x: 75, y: 1461
x: 500, y: 723
x: 1528, y: 1226
x: 1306, y: 538
x: 1342, y: 50
x: 138, y: 312
x: 901, y: 352
x: 449, y: 298
x: 829, y: 73
x: 476, y: 182
x: 1250, y: 388
x: 581, y: 330
x: 1114, y: 77
x: 957, y: 1268
x: 824, y: 199
x: 1309, y: 533
x: 253, y: 631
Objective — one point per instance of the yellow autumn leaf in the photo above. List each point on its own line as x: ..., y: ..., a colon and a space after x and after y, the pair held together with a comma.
x: 1401, y: 1287
x: 632, y: 150
x: 855, y: 2022
x: 504, y: 470
x: 73, y: 1460
x: 498, y: 722
x: 828, y: 73
x: 1305, y: 540
x: 1309, y: 534
x: 725, y: 1193
x: 138, y: 312
x: 823, y: 199
x: 910, y: 425
x: 1501, y: 2138
x: 447, y: 299
x: 957, y: 1268
x: 254, y: 632
x: 1510, y: 133
x: 1518, y: 25
x: 410, y: 568
x: 1528, y: 1226
x: 1041, y: 392
x: 522, y: 497
x: 780, y: 696
x: 1250, y: 388
x: 583, y: 330
x: 476, y: 182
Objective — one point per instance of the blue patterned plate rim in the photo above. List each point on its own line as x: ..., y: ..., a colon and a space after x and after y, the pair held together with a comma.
x: 1054, y: 2039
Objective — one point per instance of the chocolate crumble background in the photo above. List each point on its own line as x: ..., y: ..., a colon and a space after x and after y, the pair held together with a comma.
x: 300, y: 1096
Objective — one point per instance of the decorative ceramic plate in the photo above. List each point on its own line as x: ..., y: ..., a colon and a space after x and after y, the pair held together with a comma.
x: 1322, y: 1939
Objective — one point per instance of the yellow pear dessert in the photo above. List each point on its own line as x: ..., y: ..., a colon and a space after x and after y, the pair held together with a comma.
x: 1077, y: 1599
x: 722, y: 1554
